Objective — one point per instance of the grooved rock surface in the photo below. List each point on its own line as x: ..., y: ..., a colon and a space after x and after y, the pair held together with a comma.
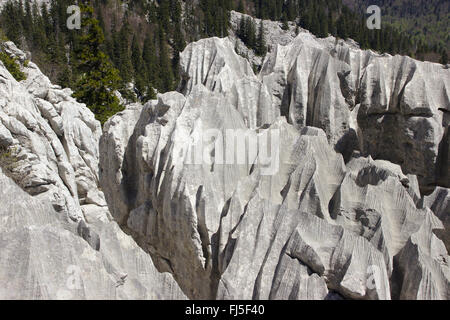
x: 439, y: 203
x: 292, y: 220
x: 57, y: 238
x: 390, y: 107
x: 42, y: 257
x: 402, y: 119
x: 323, y: 176
x: 53, y: 138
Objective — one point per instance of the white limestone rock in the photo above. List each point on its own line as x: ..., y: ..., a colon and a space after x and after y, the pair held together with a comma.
x: 43, y: 258
x: 390, y: 107
x: 424, y: 264
x: 273, y: 35
x: 439, y: 203
x: 54, y: 138
x: 315, y: 228
x: 57, y: 236
x: 324, y: 221
x: 401, y: 115
x: 232, y: 232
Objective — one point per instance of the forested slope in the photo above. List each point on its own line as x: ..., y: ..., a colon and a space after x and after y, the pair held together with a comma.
x: 141, y: 39
x: 426, y: 21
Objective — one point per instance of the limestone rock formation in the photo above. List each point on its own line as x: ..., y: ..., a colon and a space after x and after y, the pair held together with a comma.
x: 313, y: 179
x: 57, y: 238
x: 54, y: 139
x: 292, y: 220
x: 273, y: 35
x: 42, y: 257
x: 390, y: 107
x: 439, y: 203
x: 402, y: 119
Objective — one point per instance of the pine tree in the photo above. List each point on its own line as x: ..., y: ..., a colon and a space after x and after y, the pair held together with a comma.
x: 331, y: 23
x: 323, y: 25
x: 99, y: 79
x: 123, y: 56
x: 65, y: 78
x: 151, y: 67
x: 284, y: 21
x: 138, y: 66
x: 166, y: 74
x: 261, y: 48
x: 178, y: 46
x: 242, y: 31
x: 136, y: 55
x: 164, y: 14
x: 240, y: 7
x: 12, y: 66
x: 10, y: 16
x: 251, y: 33
x: 444, y: 57
x: 28, y: 20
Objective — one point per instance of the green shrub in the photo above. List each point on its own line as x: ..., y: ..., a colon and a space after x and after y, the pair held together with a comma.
x: 3, y: 36
x: 12, y: 66
x: 7, y: 159
x: 9, y: 164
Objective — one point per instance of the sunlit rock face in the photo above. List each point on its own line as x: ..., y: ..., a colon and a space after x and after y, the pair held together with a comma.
x: 324, y: 175
x: 334, y: 211
x: 57, y: 238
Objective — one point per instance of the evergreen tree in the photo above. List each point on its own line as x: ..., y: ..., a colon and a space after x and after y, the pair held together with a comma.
x: 261, y: 48
x: 444, y: 57
x: 136, y: 56
x: 11, y: 14
x: 242, y: 31
x: 122, y: 45
x: 138, y: 66
x: 28, y: 19
x: 164, y: 14
x: 166, y: 74
x: 323, y: 24
x: 99, y: 79
x: 251, y: 33
x: 240, y: 7
x: 151, y: 64
x: 178, y: 46
x: 12, y: 66
x: 284, y: 21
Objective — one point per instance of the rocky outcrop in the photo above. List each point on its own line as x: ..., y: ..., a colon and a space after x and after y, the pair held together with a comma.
x: 292, y: 219
x: 304, y: 181
x: 43, y: 258
x: 57, y: 238
x: 439, y: 203
x: 53, y: 138
x: 402, y: 116
x: 390, y: 107
x: 274, y: 35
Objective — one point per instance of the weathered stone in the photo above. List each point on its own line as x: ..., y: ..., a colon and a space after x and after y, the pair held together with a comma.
x: 318, y: 212
x: 88, y: 235
x: 51, y: 230
x: 42, y: 257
